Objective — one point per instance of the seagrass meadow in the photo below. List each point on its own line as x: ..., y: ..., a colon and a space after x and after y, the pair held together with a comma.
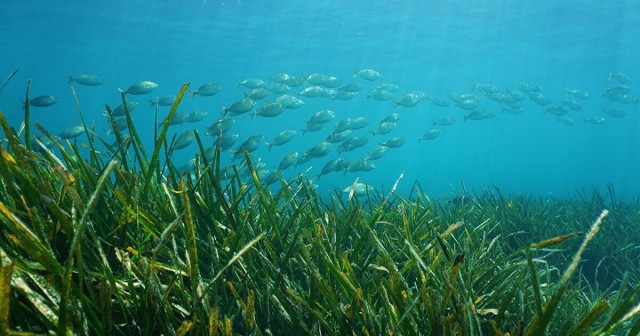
x: 120, y: 242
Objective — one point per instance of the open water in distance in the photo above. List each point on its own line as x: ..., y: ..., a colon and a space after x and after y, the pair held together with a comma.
x: 439, y: 48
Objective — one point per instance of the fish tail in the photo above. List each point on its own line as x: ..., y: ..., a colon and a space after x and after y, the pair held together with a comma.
x: 152, y: 103
x: 193, y: 93
x: 419, y: 139
x: 122, y: 91
x: 70, y: 80
x: 224, y: 111
x: 268, y: 145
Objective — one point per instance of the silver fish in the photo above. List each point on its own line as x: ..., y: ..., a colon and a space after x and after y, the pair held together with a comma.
x: 269, y: 110
x: 289, y: 102
x: 288, y: 160
x: 281, y: 138
x: 120, y: 111
x: 167, y: 100
x: 86, y: 79
x: 446, y: 120
x: 196, y: 116
x: 43, y: 101
x: 252, y: 83
x: 335, y: 137
x: 241, y: 106
x: 368, y: 74
x: 394, y: 142
x: 381, y: 95
x: 249, y: 145
x: 141, y: 88
x: 352, y: 143
x: 581, y: 94
x: 322, y: 117
x: 479, y: 114
x: 384, y: 128
x: 184, y: 140
x: 358, y: 123
x: 430, y: 135
x: 206, y: 90
x: 220, y: 126
x: 359, y: 189
x: 595, y: 120
x: 258, y: 93
x: 338, y: 164
x: 360, y: 165
x: 71, y: 132
x: 377, y: 152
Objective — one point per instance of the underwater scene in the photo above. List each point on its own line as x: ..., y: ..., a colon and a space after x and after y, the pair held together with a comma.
x: 252, y: 167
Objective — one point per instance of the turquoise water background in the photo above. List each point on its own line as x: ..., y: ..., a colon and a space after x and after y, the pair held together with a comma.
x: 430, y: 46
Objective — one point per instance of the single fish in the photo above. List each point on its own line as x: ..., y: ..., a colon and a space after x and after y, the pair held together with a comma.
x: 352, y: 143
x: 394, y: 142
x: 377, y: 152
x: 206, y: 90
x: 196, y: 116
x: 167, y: 100
x: 220, y: 126
x: 86, y: 79
x: 430, y: 135
x: 322, y: 117
x: 243, y: 105
x: 141, y: 88
x: 281, y: 138
x: 368, y: 74
x: 288, y: 160
x: 384, y: 128
x: 71, y: 132
x: 252, y: 83
x: 359, y: 189
x: 43, y: 101
x: 120, y: 111
x: 184, y: 140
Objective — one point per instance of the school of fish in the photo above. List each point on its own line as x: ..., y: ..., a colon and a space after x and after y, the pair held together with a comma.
x: 273, y: 97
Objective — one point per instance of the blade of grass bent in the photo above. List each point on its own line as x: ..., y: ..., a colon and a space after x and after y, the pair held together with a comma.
x: 163, y: 133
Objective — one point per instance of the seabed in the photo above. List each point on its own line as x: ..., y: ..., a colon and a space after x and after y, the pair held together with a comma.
x: 122, y: 243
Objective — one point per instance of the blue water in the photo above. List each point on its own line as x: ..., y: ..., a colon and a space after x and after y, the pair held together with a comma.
x: 430, y: 46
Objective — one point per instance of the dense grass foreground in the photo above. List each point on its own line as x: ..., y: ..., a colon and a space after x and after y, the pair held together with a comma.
x: 120, y: 244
